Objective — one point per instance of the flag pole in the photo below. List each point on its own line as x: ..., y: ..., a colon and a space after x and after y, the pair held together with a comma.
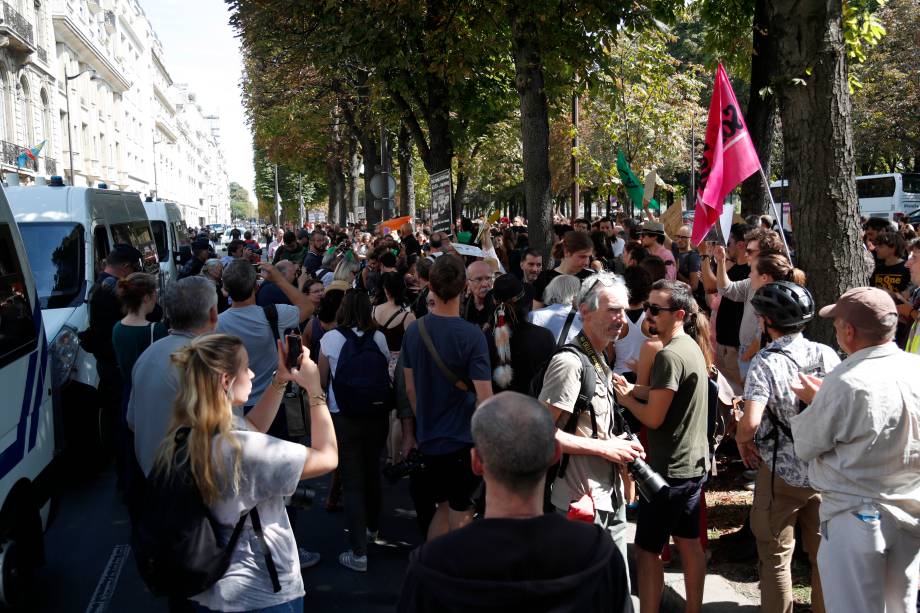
x: 776, y: 215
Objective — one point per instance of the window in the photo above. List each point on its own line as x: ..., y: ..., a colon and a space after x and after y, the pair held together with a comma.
x: 56, y: 256
x: 137, y: 233
x: 101, y: 247
x: 159, y: 237
x: 18, y: 334
x: 911, y: 183
x: 881, y: 187
x: 25, y: 99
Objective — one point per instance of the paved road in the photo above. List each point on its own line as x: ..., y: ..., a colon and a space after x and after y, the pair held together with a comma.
x: 90, y: 566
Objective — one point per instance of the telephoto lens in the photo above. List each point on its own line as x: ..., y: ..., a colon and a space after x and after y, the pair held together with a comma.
x: 650, y: 484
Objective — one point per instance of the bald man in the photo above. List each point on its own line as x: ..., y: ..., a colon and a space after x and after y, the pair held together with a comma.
x: 504, y: 555
x: 270, y: 293
x: 478, y: 305
x: 687, y: 259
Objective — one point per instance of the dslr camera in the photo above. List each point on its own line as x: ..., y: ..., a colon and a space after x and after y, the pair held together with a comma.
x: 413, y: 464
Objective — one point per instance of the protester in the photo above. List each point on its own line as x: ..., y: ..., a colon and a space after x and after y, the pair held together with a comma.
x: 674, y: 407
x: 783, y: 496
x: 290, y: 250
x: 890, y: 273
x: 201, y: 252
x: 420, y: 302
x: 652, y: 239
x: 615, y: 242
x: 590, y: 481
x: 447, y: 373
x: 479, y: 304
x: 517, y: 348
x: 628, y: 344
x: 362, y: 432
x: 137, y: 294
x: 503, y: 561
x: 313, y: 257
x: 270, y: 292
x: 560, y: 309
x: 574, y: 251
x: 910, y: 307
x: 687, y: 259
x: 237, y: 468
x: 860, y: 438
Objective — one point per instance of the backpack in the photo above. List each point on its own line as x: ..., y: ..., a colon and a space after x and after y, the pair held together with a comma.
x: 175, y: 543
x: 361, y: 382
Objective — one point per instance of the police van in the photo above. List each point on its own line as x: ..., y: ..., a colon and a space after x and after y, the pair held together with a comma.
x: 171, y: 237
x: 67, y: 232
x: 29, y: 424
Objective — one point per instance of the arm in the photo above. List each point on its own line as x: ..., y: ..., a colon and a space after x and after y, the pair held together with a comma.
x: 708, y: 277
x: 614, y: 450
x: 263, y: 414
x: 747, y: 428
x: 653, y: 412
x: 483, y: 391
x: 722, y: 280
x: 323, y: 370
x: 323, y: 455
x: 410, y: 389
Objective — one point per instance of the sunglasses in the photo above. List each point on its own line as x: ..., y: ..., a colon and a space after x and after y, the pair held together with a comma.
x: 655, y: 310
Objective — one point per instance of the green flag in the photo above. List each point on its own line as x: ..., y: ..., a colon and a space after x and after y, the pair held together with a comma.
x: 634, y: 187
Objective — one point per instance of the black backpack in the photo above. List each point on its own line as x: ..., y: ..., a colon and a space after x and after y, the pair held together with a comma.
x: 361, y: 382
x: 175, y: 543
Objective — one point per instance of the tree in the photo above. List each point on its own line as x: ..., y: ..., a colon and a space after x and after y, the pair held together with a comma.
x: 814, y: 98
x: 239, y: 201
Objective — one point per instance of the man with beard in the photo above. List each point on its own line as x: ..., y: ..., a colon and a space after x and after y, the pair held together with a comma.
x: 588, y: 483
x: 674, y: 407
x: 531, y: 266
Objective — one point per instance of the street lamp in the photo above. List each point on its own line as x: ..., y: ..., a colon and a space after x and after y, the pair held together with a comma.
x: 69, y: 120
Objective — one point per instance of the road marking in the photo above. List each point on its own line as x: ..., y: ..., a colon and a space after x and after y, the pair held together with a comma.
x: 109, y: 580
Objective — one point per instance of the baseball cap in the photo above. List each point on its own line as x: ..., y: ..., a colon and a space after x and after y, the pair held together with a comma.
x: 863, y: 307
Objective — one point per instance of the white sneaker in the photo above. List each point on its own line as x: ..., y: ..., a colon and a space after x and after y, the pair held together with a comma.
x: 308, y: 559
x: 348, y: 559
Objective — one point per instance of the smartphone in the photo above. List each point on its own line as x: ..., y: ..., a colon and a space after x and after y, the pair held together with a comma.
x: 294, y: 350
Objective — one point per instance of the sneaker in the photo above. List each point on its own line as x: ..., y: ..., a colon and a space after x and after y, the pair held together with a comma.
x: 308, y: 559
x: 749, y: 475
x: 373, y: 536
x: 348, y: 559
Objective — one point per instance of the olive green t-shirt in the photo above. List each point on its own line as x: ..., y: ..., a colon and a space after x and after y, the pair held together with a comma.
x: 679, y: 447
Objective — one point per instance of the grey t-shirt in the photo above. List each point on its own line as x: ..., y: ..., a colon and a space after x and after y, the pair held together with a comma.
x: 154, y: 383
x: 584, y: 473
x: 270, y: 469
x: 679, y: 447
x: 250, y: 325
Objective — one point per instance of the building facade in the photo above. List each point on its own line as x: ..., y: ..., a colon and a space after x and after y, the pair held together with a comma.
x: 88, y: 78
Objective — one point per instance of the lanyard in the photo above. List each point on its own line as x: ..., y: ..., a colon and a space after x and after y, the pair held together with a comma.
x: 600, y: 364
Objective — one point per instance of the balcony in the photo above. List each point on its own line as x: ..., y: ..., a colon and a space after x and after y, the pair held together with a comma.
x: 42, y: 54
x: 10, y: 156
x: 15, y: 30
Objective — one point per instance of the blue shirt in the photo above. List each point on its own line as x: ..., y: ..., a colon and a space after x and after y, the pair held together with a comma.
x: 442, y: 412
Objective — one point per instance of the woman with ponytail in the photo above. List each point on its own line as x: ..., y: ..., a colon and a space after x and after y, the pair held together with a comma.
x: 236, y: 467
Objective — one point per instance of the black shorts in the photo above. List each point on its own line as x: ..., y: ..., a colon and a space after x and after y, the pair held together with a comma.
x: 677, y: 514
x: 449, y: 478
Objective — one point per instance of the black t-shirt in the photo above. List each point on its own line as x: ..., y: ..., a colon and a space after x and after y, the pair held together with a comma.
x: 411, y: 245
x: 894, y: 278
x: 469, y: 312
x: 539, y: 286
x: 728, y: 322
x: 531, y: 347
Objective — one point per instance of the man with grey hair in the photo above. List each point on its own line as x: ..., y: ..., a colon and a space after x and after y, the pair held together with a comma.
x: 861, y: 438
x: 191, y: 306
x: 560, y: 314
x: 502, y: 561
x: 270, y: 292
x: 588, y: 483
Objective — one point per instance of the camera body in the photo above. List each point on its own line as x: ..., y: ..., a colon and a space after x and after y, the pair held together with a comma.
x: 413, y: 464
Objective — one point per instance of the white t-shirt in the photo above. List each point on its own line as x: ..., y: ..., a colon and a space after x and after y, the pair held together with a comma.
x: 553, y: 318
x: 331, y: 346
x: 270, y: 469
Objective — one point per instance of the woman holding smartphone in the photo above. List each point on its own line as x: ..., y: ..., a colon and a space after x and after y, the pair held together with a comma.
x: 237, y: 467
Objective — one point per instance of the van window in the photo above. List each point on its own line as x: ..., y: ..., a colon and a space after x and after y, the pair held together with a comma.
x: 101, y: 247
x: 160, y: 238
x: 56, y: 257
x: 18, y: 335
x: 880, y: 187
x: 137, y: 233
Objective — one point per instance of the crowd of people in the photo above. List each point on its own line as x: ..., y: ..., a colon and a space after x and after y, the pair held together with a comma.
x: 528, y: 403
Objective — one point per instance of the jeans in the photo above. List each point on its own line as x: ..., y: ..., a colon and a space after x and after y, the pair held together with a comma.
x: 361, y: 441
x: 291, y: 606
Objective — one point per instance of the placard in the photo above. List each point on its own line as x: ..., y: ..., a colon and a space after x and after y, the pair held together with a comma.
x: 441, y: 193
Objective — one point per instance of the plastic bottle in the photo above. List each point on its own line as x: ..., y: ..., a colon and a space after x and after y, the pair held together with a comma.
x: 867, y: 512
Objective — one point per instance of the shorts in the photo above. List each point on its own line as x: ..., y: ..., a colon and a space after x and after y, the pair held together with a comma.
x: 449, y: 478
x: 677, y: 515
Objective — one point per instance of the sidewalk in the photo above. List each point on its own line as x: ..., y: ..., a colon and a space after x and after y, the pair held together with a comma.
x: 718, y: 596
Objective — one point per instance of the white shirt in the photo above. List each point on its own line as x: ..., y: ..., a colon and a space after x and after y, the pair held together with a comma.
x: 861, y: 435
x: 331, y: 346
x: 553, y: 317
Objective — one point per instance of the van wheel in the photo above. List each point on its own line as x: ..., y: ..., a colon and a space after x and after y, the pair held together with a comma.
x: 13, y: 574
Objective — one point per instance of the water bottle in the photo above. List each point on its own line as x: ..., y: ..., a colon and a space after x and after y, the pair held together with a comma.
x: 868, y: 512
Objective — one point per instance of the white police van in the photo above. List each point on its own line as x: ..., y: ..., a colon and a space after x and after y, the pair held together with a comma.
x: 29, y: 421
x: 171, y: 237
x: 67, y: 232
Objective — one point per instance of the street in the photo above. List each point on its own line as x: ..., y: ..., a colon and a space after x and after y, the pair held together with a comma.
x: 90, y: 567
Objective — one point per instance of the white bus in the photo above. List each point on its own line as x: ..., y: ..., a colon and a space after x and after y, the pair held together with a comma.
x: 888, y: 196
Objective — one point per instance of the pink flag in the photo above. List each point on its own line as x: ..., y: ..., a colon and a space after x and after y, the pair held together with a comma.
x: 728, y: 158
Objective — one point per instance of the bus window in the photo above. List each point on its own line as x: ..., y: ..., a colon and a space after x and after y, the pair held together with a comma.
x: 879, y: 187
x: 911, y: 183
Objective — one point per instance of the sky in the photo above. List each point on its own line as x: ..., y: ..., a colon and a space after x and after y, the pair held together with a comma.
x: 202, y: 51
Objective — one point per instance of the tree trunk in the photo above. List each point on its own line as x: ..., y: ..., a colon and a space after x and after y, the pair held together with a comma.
x: 341, y: 204
x: 406, y: 174
x: 761, y: 113
x: 818, y: 138
x: 354, y: 176
x: 528, y: 68
x: 370, y: 152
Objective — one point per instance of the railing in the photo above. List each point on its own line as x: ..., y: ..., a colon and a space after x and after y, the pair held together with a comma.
x: 42, y: 54
x: 19, y: 24
x: 10, y: 156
